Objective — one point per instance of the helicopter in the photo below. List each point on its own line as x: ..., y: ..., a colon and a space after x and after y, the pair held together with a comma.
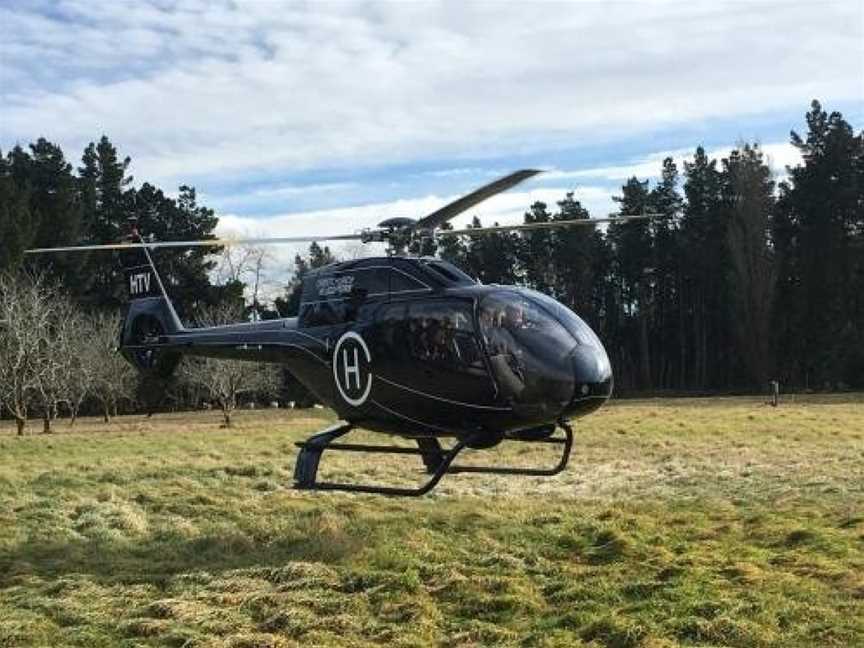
x: 401, y: 345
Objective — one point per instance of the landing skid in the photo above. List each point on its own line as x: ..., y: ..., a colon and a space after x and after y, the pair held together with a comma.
x: 438, y: 461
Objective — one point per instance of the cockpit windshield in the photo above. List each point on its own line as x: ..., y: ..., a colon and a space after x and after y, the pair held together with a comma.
x: 571, y: 321
x: 512, y: 315
x: 528, y: 348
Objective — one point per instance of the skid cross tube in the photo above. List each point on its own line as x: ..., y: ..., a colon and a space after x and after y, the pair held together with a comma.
x: 306, y: 469
x: 437, y: 461
x: 567, y: 442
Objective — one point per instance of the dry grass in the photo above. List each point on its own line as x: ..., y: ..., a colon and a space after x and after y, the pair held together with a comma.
x: 679, y: 522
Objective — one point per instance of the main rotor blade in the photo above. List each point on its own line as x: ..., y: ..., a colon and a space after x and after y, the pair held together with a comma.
x: 202, y: 243
x: 441, y: 216
x: 541, y: 226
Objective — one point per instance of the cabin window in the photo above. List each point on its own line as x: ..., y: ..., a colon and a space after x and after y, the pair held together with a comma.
x: 449, y: 272
x: 376, y: 281
x: 431, y: 346
x: 401, y: 282
x: 442, y: 334
x: 322, y: 313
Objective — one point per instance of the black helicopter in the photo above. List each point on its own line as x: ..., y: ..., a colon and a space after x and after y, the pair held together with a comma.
x: 410, y: 346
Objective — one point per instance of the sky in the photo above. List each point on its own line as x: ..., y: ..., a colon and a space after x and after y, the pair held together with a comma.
x: 294, y: 118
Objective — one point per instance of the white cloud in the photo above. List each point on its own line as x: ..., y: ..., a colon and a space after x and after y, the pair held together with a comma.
x: 205, y: 88
x: 778, y: 155
x: 462, y: 171
x: 284, y: 191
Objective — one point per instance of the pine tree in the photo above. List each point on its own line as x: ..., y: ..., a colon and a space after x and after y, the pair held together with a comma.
x: 632, y: 246
x: 574, y: 257
x: 668, y: 325
x: 186, y: 272
x: 821, y: 214
x: 289, y: 305
x: 54, y: 198
x: 536, y: 250
x: 105, y: 212
x: 17, y: 227
x: 703, y: 276
x: 452, y: 248
x: 489, y: 257
x: 752, y: 276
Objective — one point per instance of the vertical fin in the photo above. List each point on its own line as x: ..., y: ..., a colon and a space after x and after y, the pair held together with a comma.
x: 144, y: 282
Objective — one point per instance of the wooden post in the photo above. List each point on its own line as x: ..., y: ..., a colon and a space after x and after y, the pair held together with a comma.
x: 775, y: 393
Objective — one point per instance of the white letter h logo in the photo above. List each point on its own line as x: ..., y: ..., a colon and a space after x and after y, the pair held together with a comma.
x: 344, y: 368
x: 351, y: 369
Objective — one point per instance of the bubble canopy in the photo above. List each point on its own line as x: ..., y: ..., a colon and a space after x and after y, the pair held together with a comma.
x: 540, y: 351
x: 574, y: 324
x: 538, y: 313
x: 528, y: 349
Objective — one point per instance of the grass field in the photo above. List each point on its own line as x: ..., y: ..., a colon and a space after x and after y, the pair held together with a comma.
x: 716, y: 522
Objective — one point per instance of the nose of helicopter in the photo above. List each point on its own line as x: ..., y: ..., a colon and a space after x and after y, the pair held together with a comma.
x: 592, y: 377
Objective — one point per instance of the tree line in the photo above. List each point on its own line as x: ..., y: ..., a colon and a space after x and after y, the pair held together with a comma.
x: 739, y: 281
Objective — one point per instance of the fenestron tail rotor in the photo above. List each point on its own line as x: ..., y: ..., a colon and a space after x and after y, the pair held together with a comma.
x: 388, y: 230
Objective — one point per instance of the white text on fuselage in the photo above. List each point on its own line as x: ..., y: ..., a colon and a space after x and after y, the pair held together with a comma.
x: 139, y: 284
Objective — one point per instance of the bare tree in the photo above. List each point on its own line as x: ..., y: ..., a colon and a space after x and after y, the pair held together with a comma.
x: 257, y: 271
x: 113, y: 379
x: 225, y: 381
x: 79, y: 369
x: 57, y: 362
x: 26, y: 305
x: 233, y: 263
x: 248, y: 265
